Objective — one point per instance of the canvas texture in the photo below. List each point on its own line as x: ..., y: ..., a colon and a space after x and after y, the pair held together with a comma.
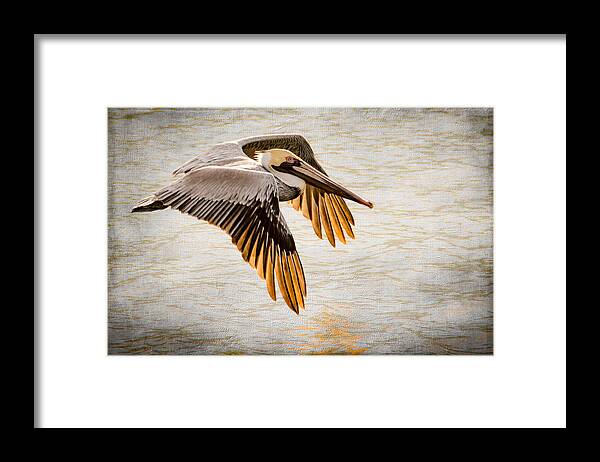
x: 416, y: 280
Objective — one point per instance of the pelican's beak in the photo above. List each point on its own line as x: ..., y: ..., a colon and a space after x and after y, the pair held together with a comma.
x: 315, y: 178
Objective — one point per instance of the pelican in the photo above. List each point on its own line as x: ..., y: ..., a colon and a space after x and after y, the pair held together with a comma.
x: 238, y: 185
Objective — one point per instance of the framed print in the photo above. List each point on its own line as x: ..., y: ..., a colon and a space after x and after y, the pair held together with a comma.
x: 290, y: 231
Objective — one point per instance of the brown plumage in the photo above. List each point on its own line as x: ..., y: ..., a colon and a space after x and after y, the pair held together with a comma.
x: 238, y: 185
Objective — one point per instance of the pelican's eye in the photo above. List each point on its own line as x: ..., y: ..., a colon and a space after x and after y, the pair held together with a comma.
x: 290, y: 160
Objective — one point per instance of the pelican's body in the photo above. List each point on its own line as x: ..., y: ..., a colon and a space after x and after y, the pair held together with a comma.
x: 238, y: 186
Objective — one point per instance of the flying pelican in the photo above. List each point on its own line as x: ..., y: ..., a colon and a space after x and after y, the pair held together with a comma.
x: 238, y: 185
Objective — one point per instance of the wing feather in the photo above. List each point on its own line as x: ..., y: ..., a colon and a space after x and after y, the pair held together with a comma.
x: 341, y: 215
x: 288, y: 279
x: 260, y: 262
x: 295, y: 280
x: 305, y: 201
x: 300, y: 272
x: 281, y: 280
x: 269, y: 271
x: 325, y: 219
x: 333, y: 218
x: 316, y: 220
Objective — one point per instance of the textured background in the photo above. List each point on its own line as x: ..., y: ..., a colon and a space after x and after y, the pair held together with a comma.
x: 418, y: 279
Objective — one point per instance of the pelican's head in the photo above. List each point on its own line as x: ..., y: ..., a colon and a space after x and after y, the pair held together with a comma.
x: 295, y: 172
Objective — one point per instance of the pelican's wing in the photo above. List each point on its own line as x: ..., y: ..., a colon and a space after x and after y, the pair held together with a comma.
x: 244, y: 203
x: 229, y: 154
x: 323, y: 209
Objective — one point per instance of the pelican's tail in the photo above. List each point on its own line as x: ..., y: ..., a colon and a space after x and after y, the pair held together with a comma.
x: 149, y: 204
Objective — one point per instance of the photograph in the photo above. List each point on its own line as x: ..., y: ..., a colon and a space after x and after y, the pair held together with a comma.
x: 360, y: 231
